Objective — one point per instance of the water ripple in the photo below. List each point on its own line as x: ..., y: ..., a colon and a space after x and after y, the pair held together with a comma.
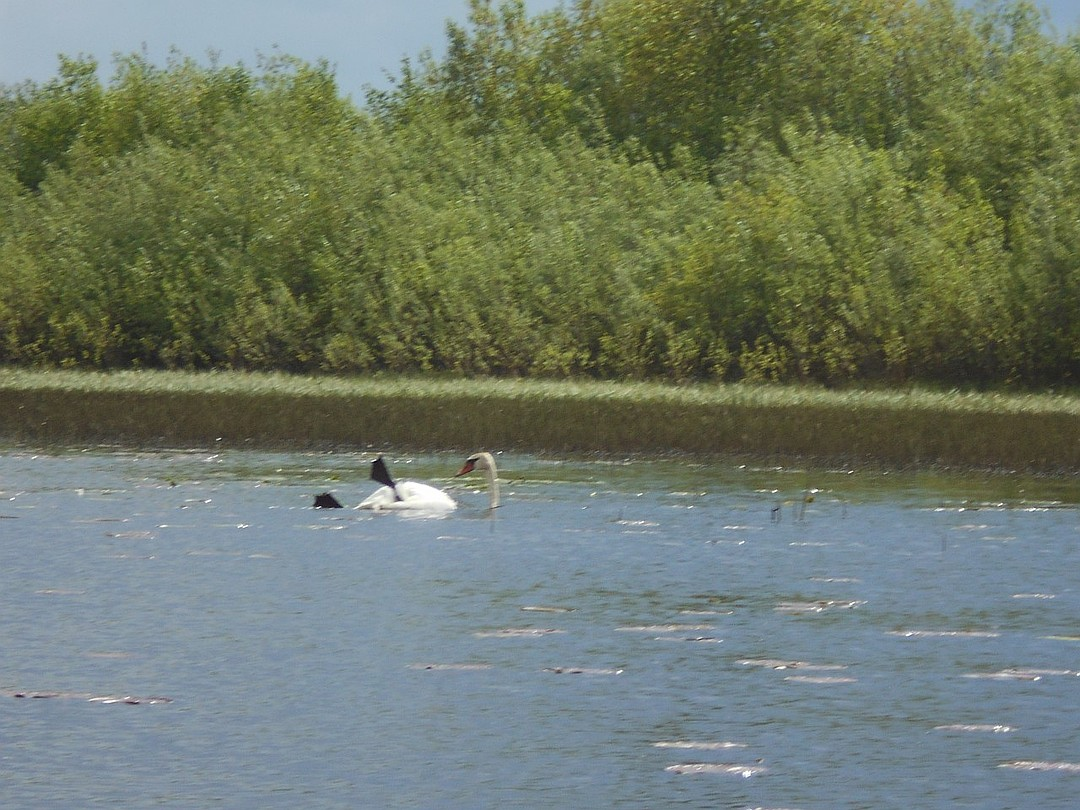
x: 1036, y: 765
x: 745, y: 771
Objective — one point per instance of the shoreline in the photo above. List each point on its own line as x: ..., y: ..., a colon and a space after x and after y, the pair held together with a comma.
x: 894, y: 429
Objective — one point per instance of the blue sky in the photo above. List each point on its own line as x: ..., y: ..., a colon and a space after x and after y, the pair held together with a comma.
x: 362, y: 39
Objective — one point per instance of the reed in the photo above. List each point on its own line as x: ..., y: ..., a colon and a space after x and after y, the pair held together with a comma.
x: 1039, y: 433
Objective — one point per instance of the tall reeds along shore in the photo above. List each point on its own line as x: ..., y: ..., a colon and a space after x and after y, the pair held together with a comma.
x: 1032, y: 433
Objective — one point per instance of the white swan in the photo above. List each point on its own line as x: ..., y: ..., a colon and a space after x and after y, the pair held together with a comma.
x: 484, y: 461
x: 402, y: 495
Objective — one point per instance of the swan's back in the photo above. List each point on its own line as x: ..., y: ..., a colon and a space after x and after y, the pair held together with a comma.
x: 410, y: 495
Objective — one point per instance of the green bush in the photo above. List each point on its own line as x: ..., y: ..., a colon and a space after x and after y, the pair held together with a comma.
x: 880, y: 191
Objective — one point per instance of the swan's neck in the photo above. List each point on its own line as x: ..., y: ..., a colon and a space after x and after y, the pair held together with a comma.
x: 492, y: 479
x: 493, y: 485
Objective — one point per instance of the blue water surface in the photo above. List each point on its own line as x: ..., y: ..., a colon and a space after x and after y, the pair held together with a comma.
x: 182, y: 629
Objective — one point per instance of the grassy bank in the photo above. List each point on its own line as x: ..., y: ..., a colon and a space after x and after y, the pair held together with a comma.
x: 1033, y: 433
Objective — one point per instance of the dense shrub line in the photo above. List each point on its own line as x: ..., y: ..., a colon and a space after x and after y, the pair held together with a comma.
x: 838, y: 192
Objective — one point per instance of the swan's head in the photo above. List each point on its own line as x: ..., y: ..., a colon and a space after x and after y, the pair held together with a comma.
x: 484, y: 461
x: 477, y: 461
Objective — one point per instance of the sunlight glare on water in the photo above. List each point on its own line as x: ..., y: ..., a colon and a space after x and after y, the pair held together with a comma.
x: 183, y: 629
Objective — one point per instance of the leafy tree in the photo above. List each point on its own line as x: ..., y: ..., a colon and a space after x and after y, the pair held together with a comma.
x: 41, y: 122
x: 839, y: 191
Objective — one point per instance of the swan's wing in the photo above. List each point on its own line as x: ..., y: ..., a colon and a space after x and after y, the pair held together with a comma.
x: 422, y: 496
x: 382, y: 498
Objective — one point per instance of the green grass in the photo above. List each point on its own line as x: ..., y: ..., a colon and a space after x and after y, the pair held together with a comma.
x: 1038, y: 433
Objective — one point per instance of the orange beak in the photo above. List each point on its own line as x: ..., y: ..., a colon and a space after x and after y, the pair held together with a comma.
x: 468, y: 468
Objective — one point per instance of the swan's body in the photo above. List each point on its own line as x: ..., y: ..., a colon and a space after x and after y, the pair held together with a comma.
x: 404, y: 495
x: 486, y: 462
x: 409, y: 495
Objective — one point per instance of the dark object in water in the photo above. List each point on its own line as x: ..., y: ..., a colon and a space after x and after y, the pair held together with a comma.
x: 380, y: 474
x: 326, y: 501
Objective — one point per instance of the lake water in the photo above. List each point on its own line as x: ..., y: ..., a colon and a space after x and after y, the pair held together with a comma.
x: 182, y: 629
